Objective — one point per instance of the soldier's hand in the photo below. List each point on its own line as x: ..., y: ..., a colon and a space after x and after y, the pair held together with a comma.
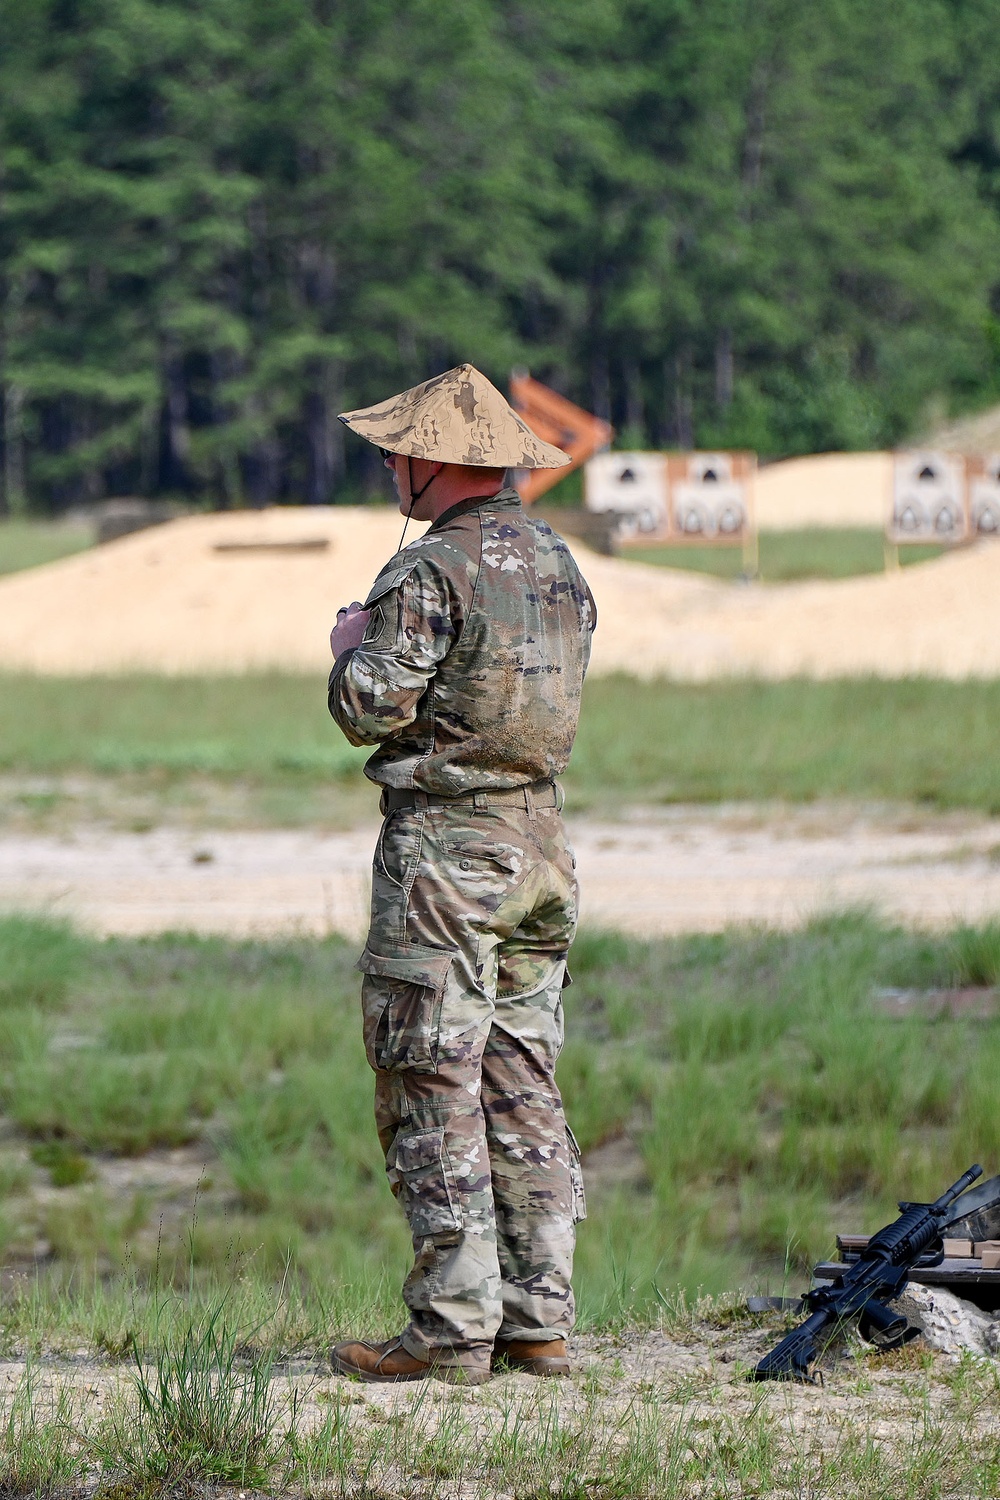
x: 352, y: 622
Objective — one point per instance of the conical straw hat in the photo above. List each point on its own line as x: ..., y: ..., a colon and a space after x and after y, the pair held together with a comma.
x: 455, y: 418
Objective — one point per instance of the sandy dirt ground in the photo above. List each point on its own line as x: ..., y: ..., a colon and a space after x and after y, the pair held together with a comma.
x: 245, y: 591
x: 655, y: 873
x: 688, y: 1388
x: 941, y: 619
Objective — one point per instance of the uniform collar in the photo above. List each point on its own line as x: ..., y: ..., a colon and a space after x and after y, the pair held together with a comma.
x: 505, y: 499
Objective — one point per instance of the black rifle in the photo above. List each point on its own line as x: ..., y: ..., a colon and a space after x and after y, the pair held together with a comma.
x: 876, y: 1277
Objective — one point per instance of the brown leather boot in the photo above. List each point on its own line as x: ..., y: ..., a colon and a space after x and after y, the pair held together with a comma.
x: 531, y: 1357
x: 391, y: 1362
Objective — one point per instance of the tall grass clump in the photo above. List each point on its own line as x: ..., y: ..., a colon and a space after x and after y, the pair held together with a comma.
x: 203, y: 1410
x: 976, y: 953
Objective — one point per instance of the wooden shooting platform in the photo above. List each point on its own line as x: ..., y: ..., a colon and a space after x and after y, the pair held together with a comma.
x: 966, y: 1276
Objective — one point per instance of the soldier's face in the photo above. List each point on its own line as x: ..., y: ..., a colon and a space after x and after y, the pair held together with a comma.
x: 415, y: 471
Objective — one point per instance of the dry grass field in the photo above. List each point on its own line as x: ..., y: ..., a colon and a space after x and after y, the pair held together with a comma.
x: 661, y: 1415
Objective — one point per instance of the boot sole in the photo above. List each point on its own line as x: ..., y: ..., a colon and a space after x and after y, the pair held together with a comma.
x: 449, y: 1374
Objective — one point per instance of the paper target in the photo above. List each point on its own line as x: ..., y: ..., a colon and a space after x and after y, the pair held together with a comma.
x: 709, y: 499
x: 675, y: 498
x: 984, y: 495
x: 631, y: 486
x: 928, y: 498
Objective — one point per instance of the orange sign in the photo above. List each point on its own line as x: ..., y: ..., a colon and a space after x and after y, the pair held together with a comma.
x: 555, y: 420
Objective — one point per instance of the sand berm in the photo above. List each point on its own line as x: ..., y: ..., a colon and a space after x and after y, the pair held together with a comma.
x: 246, y: 591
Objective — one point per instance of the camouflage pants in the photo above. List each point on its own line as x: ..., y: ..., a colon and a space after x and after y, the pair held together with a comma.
x: 472, y: 914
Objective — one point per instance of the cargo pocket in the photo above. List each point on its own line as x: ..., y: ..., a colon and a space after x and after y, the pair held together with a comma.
x: 421, y: 1168
x: 401, y: 997
x: 576, y: 1178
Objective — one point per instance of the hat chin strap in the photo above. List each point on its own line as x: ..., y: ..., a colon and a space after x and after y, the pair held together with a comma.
x: 414, y: 497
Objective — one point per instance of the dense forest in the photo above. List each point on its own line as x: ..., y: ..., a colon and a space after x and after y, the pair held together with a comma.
x: 771, y: 223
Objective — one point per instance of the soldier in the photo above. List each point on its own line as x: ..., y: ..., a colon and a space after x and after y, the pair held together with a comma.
x: 464, y: 668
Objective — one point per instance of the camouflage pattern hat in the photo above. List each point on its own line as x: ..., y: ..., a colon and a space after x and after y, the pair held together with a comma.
x: 455, y: 418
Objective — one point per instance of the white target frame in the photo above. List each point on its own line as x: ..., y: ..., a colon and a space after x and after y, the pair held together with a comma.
x: 696, y: 499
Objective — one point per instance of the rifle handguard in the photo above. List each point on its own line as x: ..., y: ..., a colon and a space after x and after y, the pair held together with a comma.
x: 911, y: 1234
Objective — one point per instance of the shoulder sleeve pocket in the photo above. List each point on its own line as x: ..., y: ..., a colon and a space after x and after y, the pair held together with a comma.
x: 386, y: 582
x: 384, y: 609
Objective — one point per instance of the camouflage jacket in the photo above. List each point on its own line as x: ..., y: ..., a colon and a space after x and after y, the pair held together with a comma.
x: 470, y: 671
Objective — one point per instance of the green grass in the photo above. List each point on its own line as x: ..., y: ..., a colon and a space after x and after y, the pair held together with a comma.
x: 787, y: 556
x: 750, y: 1093
x: 263, y: 750
x: 738, y: 1097
x: 136, y: 751
x: 27, y: 544
x: 918, y: 741
x: 39, y: 1455
x: 262, y: 727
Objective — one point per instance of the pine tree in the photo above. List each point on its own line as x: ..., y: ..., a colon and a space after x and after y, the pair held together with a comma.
x: 714, y: 221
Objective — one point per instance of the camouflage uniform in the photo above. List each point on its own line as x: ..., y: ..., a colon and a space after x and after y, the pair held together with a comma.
x: 468, y: 680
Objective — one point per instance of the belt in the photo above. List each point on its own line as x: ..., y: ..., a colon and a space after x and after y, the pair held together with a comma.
x: 536, y: 794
